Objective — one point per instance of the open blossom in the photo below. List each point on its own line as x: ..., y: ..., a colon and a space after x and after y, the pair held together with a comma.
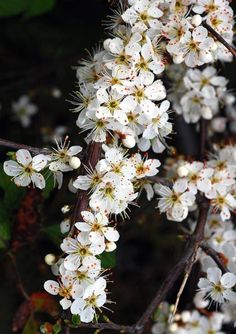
x: 23, y: 110
x: 93, y: 297
x: 96, y: 225
x: 63, y: 288
x: 78, y: 249
x: 217, y: 286
x: 175, y: 202
x: 26, y: 169
x: 64, y: 158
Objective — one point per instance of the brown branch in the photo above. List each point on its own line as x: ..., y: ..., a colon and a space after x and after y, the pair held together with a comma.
x: 220, y: 38
x: 215, y: 256
x: 16, y: 146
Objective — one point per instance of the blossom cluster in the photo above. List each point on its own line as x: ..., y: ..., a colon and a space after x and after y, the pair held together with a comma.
x: 194, y: 321
x: 80, y: 283
x: 26, y: 170
x: 214, y: 179
x: 117, y: 179
x: 198, y: 93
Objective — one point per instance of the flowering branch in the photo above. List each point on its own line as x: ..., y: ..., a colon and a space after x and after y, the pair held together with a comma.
x: 220, y: 38
x: 11, y: 144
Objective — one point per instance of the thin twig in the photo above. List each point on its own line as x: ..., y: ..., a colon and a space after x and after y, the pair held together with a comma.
x: 18, y: 277
x: 215, y: 256
x: 17, y: 146
x: 220, y: 38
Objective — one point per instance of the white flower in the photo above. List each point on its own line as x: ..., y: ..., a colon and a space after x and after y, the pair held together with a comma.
x: 196, y: 47
x: 25, y: 169
x: 94, y: 297
x: 223, y: 201
x: 79, y: 248
x: 143, y: 14
x: 23, y: 110
x: 175, y: 202
x: 97, y: 227
x: 63, y: 157
x: 217, y: 286
x: 144, y: 167
x: 63, y: 288
x: 157, y: 121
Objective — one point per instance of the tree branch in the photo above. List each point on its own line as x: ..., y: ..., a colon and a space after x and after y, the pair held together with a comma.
x: 16, y: 146
x: 215, y: 256
x: 219, y: 38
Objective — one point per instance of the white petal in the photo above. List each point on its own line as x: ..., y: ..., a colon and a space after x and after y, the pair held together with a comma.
x: 51, y: 287
x: 23, y: 157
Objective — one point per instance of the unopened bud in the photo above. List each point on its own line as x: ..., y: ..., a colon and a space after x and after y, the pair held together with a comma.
x: 182, y: 171
x: 65, y: 209
x: 65, y: 226
x: 196, y: 20
x: 74, y: 162
x: 129, y: 141
x: 207, y: 113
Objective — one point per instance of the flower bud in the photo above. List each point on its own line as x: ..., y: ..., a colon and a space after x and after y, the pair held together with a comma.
x: 129, y: 141
x: 74, y: 162
x: 218, y: 124
x: 207, y: 113
x: 229, y: 99
x: 65, y: 209
x: 182, y: 171
x: 65, y: 226
x: 196, y: 20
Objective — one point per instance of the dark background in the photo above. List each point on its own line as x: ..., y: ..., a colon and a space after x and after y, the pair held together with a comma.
x: 37, y: 54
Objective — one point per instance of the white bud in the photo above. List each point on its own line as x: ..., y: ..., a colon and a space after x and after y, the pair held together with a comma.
x: 218, y: 124
x: 74, y: 162
x: 178, y: 59
x: 199, y: 301
x: 129, y: 141
x: 107, y: 43
x: 229, y: 99
x: 182, y: 171
x: 65, y: 209
x: 196, y: 20
x: 65, y: 226
x: 207, y: 113
x: 50, y: 259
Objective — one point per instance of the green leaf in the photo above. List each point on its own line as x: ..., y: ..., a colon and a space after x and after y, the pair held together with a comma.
x: 12, y: 194
x: 31, y: 327
x: 12, y: 7
x: 108, y: 259
x: 5, y: 231
x: 38, y: 7
x: 75, y: 319
x: 49, y: 186
x: 53, y: 232
x: 27, y: 7
x: 56, y: 328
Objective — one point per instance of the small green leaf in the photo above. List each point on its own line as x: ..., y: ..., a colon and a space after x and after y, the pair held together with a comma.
x: 56, y: 328
x: 31, y: 327
x: 38, y: 7
x: 53, y: 232
x: 49, y: 186
x: 12, y: 7
x: 108, y: 259
x: 5, y: 231
x: 75, y: 319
